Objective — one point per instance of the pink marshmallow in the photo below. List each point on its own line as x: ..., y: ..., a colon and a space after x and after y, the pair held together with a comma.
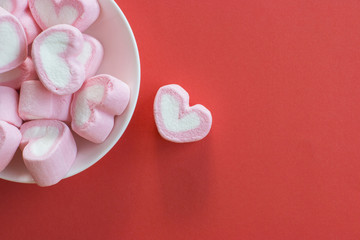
x: 91, y: 55
x: 94, y: 106
x: 176, y: 120
x: 15, y: 77
x: 10, y: 138
x: 55, y: 53
x: 16, y: 7
x: 78, y: 13
x: 13, y: 43
x: 49, y: 150
x: 9, y: 99
x: 36, y: 102
x: 30, y: 26
x: 20, y: 9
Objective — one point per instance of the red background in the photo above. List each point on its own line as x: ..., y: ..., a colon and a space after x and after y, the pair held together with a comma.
x: 282, y: 161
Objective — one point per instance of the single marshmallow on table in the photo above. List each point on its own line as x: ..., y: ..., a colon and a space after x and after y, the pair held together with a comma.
x: 13, y: 42
x: 55, y: 53
x: 78, y: 13
x: 10, y: 138
x: 95, y: 105
x: 9, y: 99
x: 49, y: 150
x: 91, y: 55
x: 36, y: 102
x: 176, y: 121
x: 20, y: 9
x: 17, y: 76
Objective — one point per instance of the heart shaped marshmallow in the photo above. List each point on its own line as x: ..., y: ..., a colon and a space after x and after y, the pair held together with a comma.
x: 55, y: 53
x: 10, y: 137
x: 176, y: 121
x: 78, y: 13
x: 94, y: 106
x: 49, y: 150
x: 91, y: 55
x: 17, y: 76
x: 16, y: 7
x: 36, y: 102
x: 9, y: 100
x: 13, y: 43
x: 20, y: 9
x: 30, y: 26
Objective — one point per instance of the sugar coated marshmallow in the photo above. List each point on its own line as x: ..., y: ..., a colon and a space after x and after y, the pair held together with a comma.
x: 9, y: 99
x: 17, y: 76
x: 79, y: 13
x: 10, y: 138
x: 95, y: 105
x: 91, y: 55
x: 36, y: 102
x: 49, y: 150
x: 13, y: 42
x: 176, y: 121
x: 55, y: 53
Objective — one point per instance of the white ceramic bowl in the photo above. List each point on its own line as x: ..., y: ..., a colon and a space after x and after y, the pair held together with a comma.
x: 121, y: 60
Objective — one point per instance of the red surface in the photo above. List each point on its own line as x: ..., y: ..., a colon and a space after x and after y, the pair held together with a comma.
x: 282, y: 79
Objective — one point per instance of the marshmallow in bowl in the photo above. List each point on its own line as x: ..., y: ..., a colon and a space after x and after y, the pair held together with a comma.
x: 9, y: 99
x: 13, y: 42
x: 30, y: 26
x: 49, y: 150
x: 55, y: 53
x: 10, y: 137
x: 20, y: 9
x: 17, y: 76
x: 78, y: 13
x: 91, y: 55
x: 94, y: 106
x: 36, y: 102
x: 16, y: 7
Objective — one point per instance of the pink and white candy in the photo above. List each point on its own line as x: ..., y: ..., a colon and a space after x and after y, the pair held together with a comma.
x: 95, y: 105
x: 17, y: 76
x: 49, y: 150
x: 16, y: 7
x: 91, y: 55
x: 9, y: 99
x: 10, y: 138
x: 176, y: 121
x: 30, y: 26
x: 13, y: 42
x: 36, y: 102
x: 55, y: 53
x: 78, y: 13
x: 20, y: 9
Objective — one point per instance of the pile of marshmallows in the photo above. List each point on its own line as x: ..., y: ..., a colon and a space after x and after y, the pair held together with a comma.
x: 47, y: 82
